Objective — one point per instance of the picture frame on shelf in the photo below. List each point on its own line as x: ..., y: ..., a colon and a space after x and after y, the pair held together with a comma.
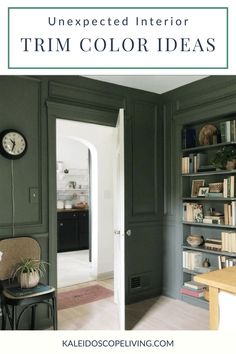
x: 196, y: 184
x: 203, y: 191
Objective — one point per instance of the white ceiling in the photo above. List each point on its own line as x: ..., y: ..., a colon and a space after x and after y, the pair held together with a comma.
x: 156, y: 84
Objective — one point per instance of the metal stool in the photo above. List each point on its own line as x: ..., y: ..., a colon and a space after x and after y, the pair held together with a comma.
x: 12, y: 251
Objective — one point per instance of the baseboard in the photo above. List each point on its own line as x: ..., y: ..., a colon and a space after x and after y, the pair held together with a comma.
x: 104, y: 276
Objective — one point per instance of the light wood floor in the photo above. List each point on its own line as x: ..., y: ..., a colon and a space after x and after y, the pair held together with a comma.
x: 160, y: 313
x: 164, y: 313
x: 73, y: 268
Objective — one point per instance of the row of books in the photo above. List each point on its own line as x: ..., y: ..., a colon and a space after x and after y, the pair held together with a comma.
x: 193, y: 163
x: 228, y: 131
x: 193, y: 288
x: 192, y: 259
x: 228, y: 241
x: 192, y: 212
x: 229, y: 187
x: 230, y: 213
x: 226, y: 262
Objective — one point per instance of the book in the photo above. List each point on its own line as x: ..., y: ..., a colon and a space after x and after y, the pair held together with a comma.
x: 188, y: 138
x: 214, y: 217
x: 213, y: 240
x: 194, y: 285
x: 194, y: 293
x: 201, y: 160
x: 206, y: 168
x: 213, y: 221
x: 197, y: 212
x: 215, y: 195
x: 18, y: 291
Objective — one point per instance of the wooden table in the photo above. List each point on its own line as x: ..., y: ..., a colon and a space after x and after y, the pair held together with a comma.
x: 223, y: 279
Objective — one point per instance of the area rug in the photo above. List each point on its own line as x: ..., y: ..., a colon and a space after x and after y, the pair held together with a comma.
x: 82, y: 296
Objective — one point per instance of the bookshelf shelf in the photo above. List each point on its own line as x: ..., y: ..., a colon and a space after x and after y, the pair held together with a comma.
x: 199, y: 208
x: 204, y: 250
x: 209, y: 225
x: 188, y: 271
x: 208, y: 147
x: 209, y: 173
x: 193, y: 299
x: 213, y: 199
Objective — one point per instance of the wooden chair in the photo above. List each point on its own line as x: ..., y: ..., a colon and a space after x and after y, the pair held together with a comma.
x: 13, y: 250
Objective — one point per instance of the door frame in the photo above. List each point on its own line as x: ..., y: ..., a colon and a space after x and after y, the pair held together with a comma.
x: 56, y: 111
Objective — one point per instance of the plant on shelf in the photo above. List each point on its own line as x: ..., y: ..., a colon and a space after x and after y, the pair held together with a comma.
x: 29, y: 272
x: 225, y: 158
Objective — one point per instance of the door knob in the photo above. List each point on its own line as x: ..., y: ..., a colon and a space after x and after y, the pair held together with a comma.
x: 128, y: 232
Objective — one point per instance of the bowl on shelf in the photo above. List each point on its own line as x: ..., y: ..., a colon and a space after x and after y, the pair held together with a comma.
x: 216, y: 187
x: 81, y: 205
x: 195, y: 240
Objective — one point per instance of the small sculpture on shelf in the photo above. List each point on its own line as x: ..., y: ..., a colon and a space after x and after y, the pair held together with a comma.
x: 206, y: 263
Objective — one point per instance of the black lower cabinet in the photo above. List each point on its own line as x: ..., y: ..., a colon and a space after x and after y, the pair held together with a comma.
x: 72, y: 230
x: 83, y: 230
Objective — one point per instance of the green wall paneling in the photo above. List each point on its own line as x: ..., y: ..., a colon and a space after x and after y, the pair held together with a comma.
x: 20, y: 106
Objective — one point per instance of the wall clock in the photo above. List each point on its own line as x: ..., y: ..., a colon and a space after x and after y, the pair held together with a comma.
x: 13, y: 144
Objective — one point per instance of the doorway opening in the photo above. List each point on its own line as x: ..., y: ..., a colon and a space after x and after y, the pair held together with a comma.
x: 85, y: 187
x: 101, y: 139
x: 74, y: 209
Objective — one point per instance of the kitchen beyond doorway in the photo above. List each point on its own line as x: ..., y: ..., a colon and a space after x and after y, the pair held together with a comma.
x: 93, y: 192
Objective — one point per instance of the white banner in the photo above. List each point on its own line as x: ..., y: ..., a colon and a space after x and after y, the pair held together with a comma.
x: 118, y: 38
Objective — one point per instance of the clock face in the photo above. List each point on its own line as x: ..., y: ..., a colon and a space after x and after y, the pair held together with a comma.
x: 13, y: 144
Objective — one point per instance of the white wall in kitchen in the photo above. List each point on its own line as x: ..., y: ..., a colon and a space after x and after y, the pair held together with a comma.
x: 99, y: 139
x: 72, y: 153
x: 72, y: 170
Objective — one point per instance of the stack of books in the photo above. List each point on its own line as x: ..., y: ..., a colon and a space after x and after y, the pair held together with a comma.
x: 212, y: 219
x: 192, y: 259
x: 192, y: 288
x: 192, y: 212
x: 213, y: 244
x: 228, y: 241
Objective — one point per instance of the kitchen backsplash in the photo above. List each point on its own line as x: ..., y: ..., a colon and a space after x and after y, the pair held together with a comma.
x: 72, y: 185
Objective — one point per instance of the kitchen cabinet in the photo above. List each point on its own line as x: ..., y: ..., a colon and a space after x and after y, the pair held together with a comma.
x: 72, y: 230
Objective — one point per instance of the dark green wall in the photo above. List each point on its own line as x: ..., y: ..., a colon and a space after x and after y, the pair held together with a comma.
x: 152, y: 147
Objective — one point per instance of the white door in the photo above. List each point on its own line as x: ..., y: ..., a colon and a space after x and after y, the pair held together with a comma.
x: 119, y: 222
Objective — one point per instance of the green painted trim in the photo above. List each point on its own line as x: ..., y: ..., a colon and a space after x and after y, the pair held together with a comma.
x: 120, y: 68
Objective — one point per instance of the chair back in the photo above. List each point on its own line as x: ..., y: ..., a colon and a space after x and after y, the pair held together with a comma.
x: 13, y: 250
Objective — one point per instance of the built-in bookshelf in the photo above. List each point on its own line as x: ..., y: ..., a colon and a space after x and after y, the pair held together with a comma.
x: 208, y: 201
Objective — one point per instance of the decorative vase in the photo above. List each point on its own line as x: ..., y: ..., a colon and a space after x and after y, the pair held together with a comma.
x: 230, y: 165
x: 195, y: 240
x: 29, y: 280
x: 206, y: 263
